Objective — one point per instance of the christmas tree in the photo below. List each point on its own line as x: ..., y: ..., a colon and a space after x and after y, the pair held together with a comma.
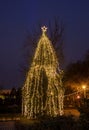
x: 42, y: 93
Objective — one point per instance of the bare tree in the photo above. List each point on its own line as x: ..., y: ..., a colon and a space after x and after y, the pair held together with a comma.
x: 77, y: 73
x: 56, y: 32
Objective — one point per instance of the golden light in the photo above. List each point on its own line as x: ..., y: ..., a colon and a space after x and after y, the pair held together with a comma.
x: 84, y: 86
x: 84, y: 89
x: 42, y: 92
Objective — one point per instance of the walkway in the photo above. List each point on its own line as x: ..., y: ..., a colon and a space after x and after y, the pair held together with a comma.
x: 8, y: 125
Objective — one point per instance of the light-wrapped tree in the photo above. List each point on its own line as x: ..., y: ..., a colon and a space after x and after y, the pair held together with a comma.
x: 42, y: 93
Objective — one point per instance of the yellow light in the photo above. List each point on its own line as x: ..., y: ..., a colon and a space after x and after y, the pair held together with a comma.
x: 43, y: 90
x: 84, y: 86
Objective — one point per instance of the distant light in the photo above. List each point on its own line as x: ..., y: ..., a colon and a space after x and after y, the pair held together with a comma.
x: 84, y: 87
x: 78, y: 97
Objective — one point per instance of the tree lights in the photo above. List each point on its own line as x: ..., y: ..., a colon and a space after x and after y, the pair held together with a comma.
x: 42, y: 93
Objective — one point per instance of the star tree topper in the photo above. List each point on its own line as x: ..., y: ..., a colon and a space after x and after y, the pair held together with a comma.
x: 44, y: 29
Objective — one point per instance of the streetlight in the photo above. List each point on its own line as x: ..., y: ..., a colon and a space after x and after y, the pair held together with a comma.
x: 84, y: 89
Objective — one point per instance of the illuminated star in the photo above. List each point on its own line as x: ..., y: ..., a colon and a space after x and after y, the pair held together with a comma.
x: 44, y: 29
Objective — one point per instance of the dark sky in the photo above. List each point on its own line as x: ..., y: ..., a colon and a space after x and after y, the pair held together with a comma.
x: 18, y: 16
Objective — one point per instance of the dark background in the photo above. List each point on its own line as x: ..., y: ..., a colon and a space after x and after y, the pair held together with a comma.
x: 18, y: 16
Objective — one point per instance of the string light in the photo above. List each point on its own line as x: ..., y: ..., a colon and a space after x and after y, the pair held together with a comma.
x: 42, y: 93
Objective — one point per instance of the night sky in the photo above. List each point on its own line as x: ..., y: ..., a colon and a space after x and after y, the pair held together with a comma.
x: 18, y: 16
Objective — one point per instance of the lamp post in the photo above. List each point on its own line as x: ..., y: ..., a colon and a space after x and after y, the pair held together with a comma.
x: 84, y: 90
